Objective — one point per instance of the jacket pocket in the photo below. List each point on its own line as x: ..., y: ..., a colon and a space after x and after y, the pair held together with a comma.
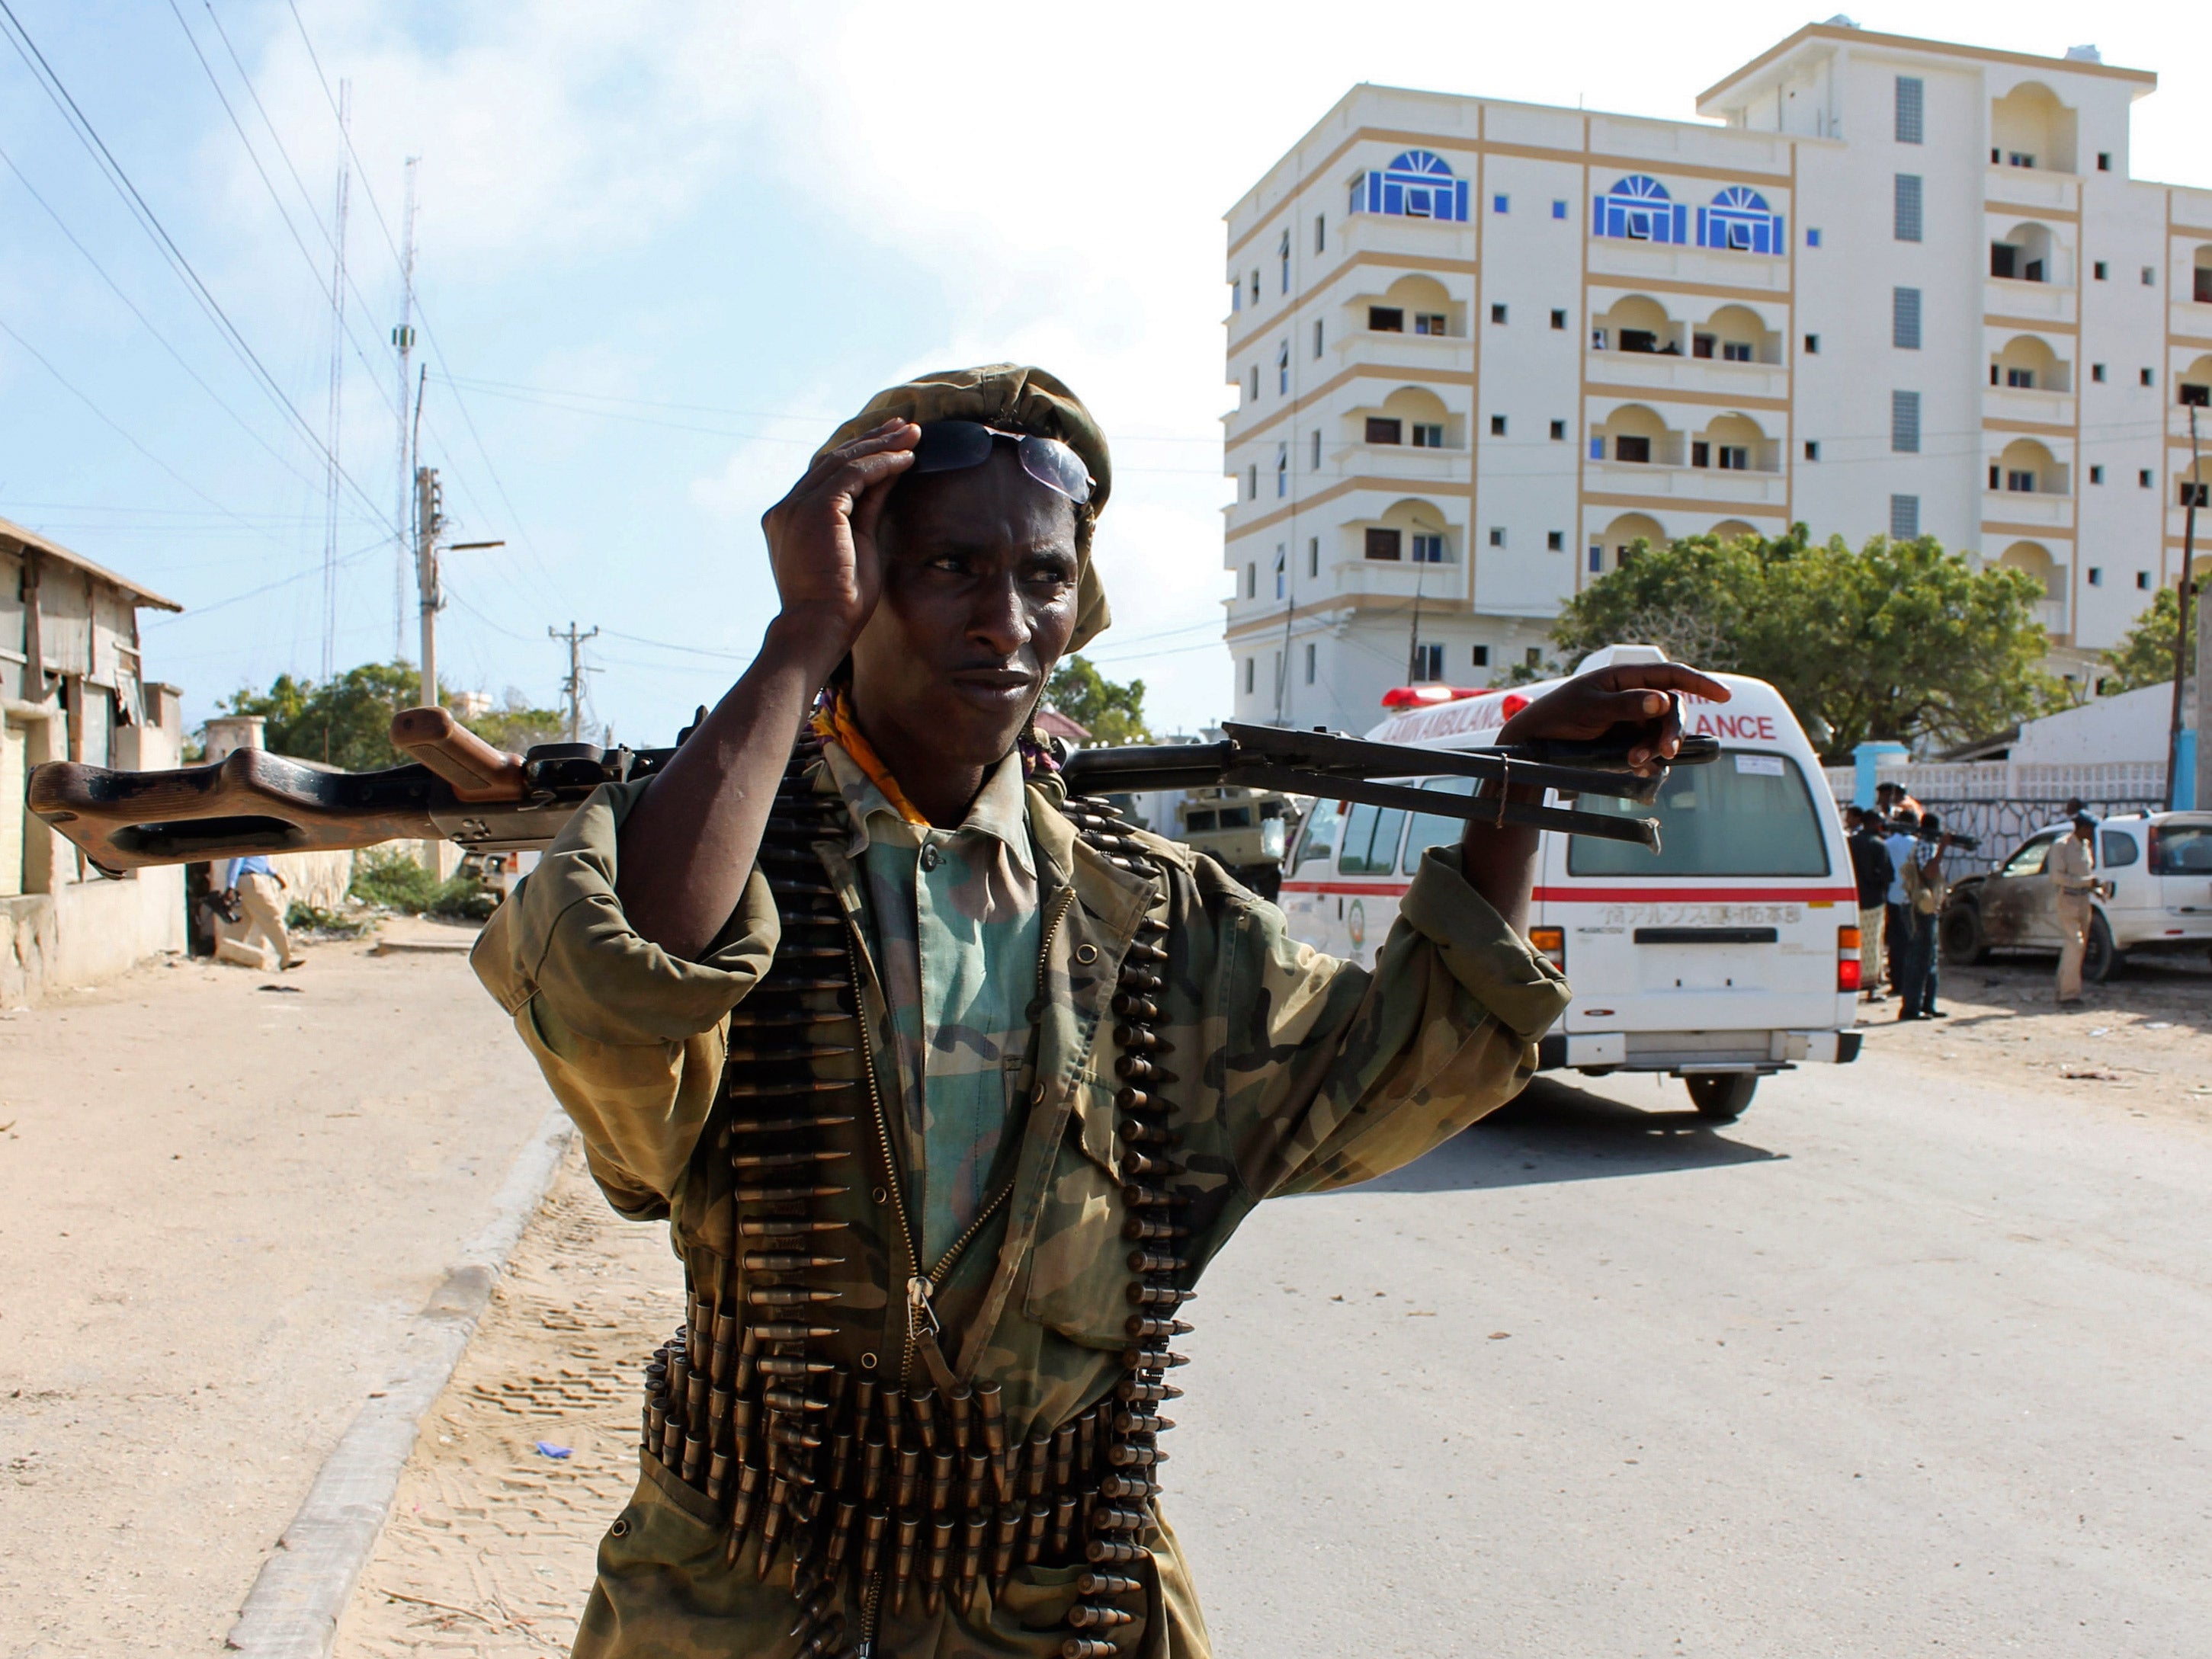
x: 1079, y: 1271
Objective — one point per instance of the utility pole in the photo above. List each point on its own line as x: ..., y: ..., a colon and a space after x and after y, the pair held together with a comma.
x: 429, y: 520
x: 338, y: 384
x: 572, y: 687
x: 403, y: 338
x: 2181, y: 664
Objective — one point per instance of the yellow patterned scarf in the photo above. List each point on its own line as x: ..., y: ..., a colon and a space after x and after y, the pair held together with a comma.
x: 833, y: 722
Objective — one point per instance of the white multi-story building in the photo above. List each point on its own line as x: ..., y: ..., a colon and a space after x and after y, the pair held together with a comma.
x: 1906, y: 289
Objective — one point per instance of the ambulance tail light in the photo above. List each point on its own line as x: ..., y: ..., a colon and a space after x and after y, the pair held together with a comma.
x: 1848, y: 967
x: 1551, y: 943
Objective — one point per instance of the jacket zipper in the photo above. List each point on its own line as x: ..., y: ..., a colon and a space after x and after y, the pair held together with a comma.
x: 920, y: 1285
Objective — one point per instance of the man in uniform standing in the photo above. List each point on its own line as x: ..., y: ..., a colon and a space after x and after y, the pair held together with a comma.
x: 950, y: 1084
x: 2073, y: 865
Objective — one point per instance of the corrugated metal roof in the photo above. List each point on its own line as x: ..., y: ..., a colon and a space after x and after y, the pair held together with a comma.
x: 11, y: 531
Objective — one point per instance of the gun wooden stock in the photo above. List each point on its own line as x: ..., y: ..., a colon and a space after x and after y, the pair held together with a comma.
x: 250, y: 801
x: 476, y: 771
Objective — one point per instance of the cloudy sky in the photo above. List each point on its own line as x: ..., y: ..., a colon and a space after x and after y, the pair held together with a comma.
x: 663, y: 247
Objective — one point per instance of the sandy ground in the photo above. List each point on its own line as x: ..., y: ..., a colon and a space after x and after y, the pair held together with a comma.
x: 223, y: 1194
x: 1595, y: 1379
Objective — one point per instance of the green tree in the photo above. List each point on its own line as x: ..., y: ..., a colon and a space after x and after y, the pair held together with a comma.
x: 515, y: 725
x: 346, y: 721
x: 2145, y: 657
x: 1111, y: 713
x: 1899, y: 640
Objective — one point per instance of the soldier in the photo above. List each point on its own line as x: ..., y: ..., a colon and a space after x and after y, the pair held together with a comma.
x: 950, y: 1085
x: 2073, y: 865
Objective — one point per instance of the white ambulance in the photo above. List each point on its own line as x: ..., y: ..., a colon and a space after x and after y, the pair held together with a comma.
x: 1732, y: 953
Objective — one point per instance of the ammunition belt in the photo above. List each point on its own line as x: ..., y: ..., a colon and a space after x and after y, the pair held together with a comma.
x: 858, y: 1482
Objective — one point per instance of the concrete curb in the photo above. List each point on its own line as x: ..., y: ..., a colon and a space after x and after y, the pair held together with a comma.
x: 293, y: 1610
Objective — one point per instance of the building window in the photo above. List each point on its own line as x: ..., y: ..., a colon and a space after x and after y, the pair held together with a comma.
x: 1498, y: 535
x: 1313, y: 556
x: 1282, y: 368
x: 1738, y: 220
x: 1812, y: 449
x: 2104, y: 161
x: 2100, y: 270
x: 2096, y: 373
x: 1385, y: 544
x: 1255, y: 383
x: 1431, y: 322
x: 1906, y: 211
x: 2145, y: 376
x: 1701, y: 345
x: 1249, y: 662
x: 1596, y: 447
x: 2150, y: 277
x: 1417, y: 184
x: 2096, y: 475
x: 2202, y: 292
x: 1428, y: 663
x: 1481, y: 656
x: 2017, y: 482
x: 1310, y: 654
x: 1558, y: 209
x: 1386, y: 319
x: 1904, y: 518
x: 1600, y: 339
x: 1812, y: 238
x: 1428, y: 549
x: 1283, y: 253
x: 2142, y: 578
x: 1313, y: 463
x: 1904, y: 423
x: 1320, y: 232
x: 1638, y: 208
x: 1905, y: 319
x: 1734, y: 458
x: 1252, y: 482
x: 1255, y: 287
x: 1282, y: 470
x: 1235, y: 295
x: 1910, y: 104
x: 2194, y: 495
x: 1555, y: 541
x: 1252, y: 582
x: 1596, y: 558
x: 2019, y: 380
x: 1428, y: 434
x: 1317, y: 336
x: 1812, y: 346
x: 1735, y: 351
x: 1385, y: 429
x: 1559, y: 432
x: 2096, y: 575
x: 1498, y: 313
x: 1282, y: 572
x: 1534, y: 656
x: 1625, y: 448
x: 1498, y: 426
x: 1701, y: 452
x: 1500, y: 204
x: 2143, y: 479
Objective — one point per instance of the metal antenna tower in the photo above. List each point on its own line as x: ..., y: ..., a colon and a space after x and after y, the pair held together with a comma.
x: 331, y: 473
x: 404, y: 339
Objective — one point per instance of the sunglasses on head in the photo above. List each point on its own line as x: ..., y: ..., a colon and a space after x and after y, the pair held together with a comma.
x: 956, y: 445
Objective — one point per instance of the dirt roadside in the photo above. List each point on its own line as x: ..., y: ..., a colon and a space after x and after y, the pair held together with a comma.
x: 223, y: 1193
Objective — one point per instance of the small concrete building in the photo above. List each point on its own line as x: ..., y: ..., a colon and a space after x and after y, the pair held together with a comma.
x: 73, y: 686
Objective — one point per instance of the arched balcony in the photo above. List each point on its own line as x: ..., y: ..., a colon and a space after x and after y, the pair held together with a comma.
x: 2028, y: 364
x: 1732, y: 530
x: 2200, y: 287
x: 1415, y: 305
x: 1639, y: 324
x: 1409, y: 531
x: 2034, y: 559
x: 1411, y: 418
x: 1637, y: 436
x: 1616, y: 544
x: 2194, y: 386
x: 2031, y: 252
x: 1736, y: 334
x: 2026, y: 468
x: 1735, y: 443
x: 2030, y: 128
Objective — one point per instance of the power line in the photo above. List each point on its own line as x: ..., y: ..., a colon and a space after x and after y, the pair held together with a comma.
x: 89, y: 136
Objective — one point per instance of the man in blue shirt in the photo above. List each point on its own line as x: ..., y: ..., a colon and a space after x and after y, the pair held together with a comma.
x: 251, y: 884
x: 1904, y: 830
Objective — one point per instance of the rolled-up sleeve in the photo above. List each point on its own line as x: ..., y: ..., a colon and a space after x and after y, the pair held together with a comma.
x: 1336, y: 1075
x: 630, y: 1038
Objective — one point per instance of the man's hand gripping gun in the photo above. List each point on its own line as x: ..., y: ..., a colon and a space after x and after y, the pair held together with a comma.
x: 460, y: 789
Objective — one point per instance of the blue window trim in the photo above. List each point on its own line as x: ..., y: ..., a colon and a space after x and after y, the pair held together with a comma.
x: 1813, y: 237
x: 1639, y: 202
x: 1558, y: 209
x: 1500, y: 204
x: 1739, y: 221
x: 1416, y: 179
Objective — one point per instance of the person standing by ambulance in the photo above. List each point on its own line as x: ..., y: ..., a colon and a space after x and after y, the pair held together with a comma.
x: 2073, y: 865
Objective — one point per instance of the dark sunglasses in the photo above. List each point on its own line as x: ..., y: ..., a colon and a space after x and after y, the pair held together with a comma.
x: 956, y: 445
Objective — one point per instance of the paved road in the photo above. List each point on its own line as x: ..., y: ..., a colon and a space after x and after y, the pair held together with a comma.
x: 220, y: 1205
x: 1898, y: 1365
x: 1904, y: 1363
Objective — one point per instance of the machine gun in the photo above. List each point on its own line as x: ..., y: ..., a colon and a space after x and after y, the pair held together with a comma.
x: 458, y: 787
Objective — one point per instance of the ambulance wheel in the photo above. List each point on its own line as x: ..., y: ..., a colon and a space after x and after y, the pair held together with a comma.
x: 1721, y: 1096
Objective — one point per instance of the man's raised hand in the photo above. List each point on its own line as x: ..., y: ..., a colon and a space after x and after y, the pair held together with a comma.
x: 1637, y: 695
x: 822, y: 536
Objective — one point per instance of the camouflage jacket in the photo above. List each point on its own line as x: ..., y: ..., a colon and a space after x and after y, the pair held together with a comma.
x: 1295, y: 1073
